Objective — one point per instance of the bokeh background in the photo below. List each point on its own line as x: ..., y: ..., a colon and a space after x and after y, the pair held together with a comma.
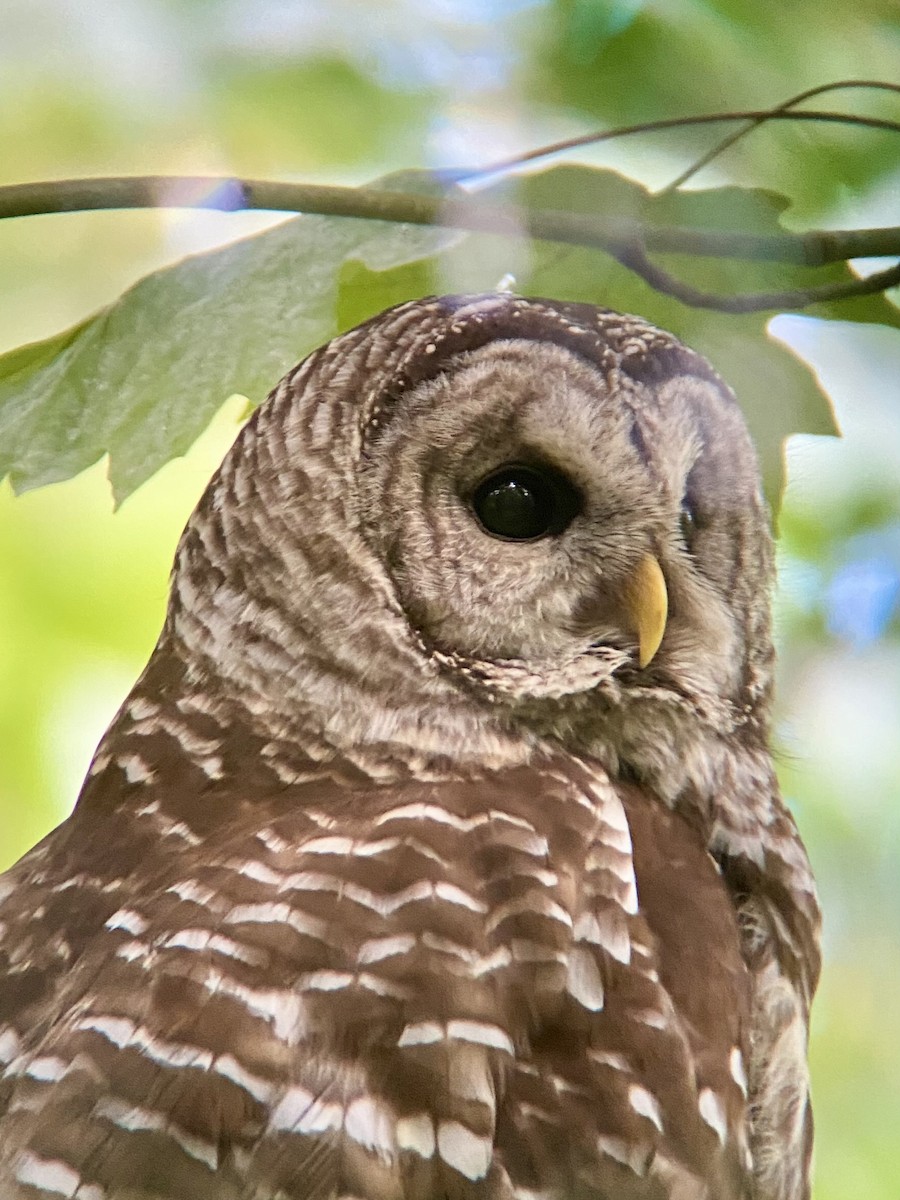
x: 344, y: 90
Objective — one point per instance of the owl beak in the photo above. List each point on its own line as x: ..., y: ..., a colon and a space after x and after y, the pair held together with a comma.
x: 647, y: 606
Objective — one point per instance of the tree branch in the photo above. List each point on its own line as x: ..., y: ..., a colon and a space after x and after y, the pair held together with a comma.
x: 617, y: 234
x: 627, y: 241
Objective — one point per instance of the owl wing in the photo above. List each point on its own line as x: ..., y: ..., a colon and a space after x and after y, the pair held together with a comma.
x: 768, y: 874
x: 434, y: 989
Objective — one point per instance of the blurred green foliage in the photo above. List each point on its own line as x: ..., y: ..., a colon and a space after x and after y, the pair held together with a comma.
x: 345, y: 91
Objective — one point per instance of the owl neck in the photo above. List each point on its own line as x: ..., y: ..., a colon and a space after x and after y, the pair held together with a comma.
x: 188, y: 732
x: 186, y: 726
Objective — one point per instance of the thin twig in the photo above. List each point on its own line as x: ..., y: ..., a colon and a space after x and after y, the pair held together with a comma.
x: 467, y: 174
x: 727, y: 142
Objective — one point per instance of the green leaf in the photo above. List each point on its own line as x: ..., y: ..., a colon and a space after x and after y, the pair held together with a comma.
x: 141, y: 379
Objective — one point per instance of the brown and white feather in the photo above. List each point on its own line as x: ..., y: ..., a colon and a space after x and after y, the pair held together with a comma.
x: 397, y: 877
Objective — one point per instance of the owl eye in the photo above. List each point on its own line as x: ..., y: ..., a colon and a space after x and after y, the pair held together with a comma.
x: 521, y: 504
x: 688, y: 523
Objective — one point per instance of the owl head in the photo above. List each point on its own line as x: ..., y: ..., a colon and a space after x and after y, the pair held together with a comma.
x: 488, y: 517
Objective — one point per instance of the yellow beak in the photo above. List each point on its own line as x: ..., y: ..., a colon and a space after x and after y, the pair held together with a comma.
x: 647, y: 606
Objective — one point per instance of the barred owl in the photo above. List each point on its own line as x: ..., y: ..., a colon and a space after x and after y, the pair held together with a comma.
x: 438, y: 851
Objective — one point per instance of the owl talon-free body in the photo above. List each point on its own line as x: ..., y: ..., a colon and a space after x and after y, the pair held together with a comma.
x: 397, y: 876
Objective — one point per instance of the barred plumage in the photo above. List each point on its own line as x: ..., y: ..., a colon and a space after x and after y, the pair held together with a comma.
x: 398, y: 876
